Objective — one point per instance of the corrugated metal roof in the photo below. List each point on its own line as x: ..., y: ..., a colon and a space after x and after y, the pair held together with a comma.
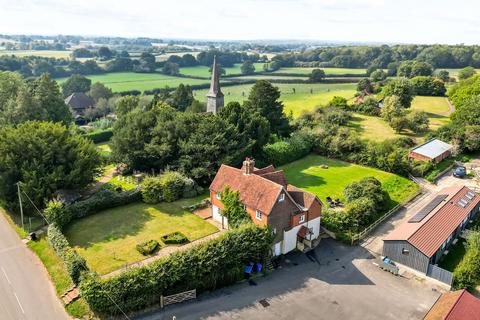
x: 432, y: 148
x: 429, y: 234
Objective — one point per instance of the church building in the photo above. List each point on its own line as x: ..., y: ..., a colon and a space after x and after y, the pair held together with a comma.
x: 215, y: 95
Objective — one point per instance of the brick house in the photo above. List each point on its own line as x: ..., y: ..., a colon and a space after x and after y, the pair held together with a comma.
x: 291, y: 213
x: 433, y: 150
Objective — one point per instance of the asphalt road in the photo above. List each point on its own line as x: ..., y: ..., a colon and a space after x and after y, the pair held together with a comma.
x: 26, y: 293
x: 340, y: 282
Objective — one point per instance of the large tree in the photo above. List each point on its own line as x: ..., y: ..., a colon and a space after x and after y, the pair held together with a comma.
x: 44, y: 157
x: 247, y: 67
x: 264, y: 99
x: 76, y: 83
x: 402, y: 88
x: 98, y: 91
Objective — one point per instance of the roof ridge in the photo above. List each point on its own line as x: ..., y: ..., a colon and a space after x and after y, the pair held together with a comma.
x: 435, y: 211
x: 455, y: 304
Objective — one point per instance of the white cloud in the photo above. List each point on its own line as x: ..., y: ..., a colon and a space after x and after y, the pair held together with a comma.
x: 410, y: 21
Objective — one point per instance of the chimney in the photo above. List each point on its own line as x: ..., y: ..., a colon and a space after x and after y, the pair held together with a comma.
x: 248, y: 165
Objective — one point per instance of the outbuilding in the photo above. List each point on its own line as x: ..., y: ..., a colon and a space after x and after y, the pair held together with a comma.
x: 433, y: 150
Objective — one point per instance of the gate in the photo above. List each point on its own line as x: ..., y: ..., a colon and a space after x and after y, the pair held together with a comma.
x: 440, y: 274
x: 177, y: 298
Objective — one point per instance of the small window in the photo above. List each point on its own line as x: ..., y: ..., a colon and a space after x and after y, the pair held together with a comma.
x: 282, y: 197
x: 301, y: 219
x: 405, y: 251
x: 218, y: 195
x: 258, y: 215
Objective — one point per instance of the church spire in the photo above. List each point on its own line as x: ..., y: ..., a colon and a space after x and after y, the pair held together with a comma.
x: 215, y: 95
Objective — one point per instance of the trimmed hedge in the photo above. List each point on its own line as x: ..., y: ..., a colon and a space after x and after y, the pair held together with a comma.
x: 100, y: 136
x: 206, y: 266
x: 285, y: 151
x: 147, y: 247
x: 73, y: 261
x: 170, y: 186
x: 174, y: 238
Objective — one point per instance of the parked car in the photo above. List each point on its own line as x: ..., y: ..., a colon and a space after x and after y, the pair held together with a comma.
x: 460, y: 172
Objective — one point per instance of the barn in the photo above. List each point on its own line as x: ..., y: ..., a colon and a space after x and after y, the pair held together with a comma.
x: 420, y: 242
x: 433, y: 150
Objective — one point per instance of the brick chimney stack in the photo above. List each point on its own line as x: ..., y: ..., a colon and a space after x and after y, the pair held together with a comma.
x: 248, y: 165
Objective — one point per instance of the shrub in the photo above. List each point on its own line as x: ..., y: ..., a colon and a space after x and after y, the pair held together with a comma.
x: 55, y: 213
x: 73, y: 261
x: 467, y: 273
x: 206, y: 266
x: 152, y: 190
x: 100, y: 136
x: 297, y: 146
x: 428, y: 86
x: 170, y: 186
x: 147, y: 247
x: 174, y: 238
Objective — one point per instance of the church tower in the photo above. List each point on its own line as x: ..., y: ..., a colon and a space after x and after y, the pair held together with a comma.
x: 215, y: 95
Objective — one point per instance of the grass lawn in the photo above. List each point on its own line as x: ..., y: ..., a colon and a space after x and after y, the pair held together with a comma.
x: 59, y: 275
x: 104, y: 148
x: 454, y: 72
x: 307, y: 174
x: 124, y: 81
x: 301, y: 100
x: 204, y: 71
x: 436, y: 108
x: 332, y: 71
x: 107, y: 240
x: 372, y: 128
x: 39, y: 53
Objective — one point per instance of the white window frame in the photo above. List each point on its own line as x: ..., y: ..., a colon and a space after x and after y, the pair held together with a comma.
x: 281, y: 197
x: 301, y: 219
x: 218, y: 196
x: 258, y: 215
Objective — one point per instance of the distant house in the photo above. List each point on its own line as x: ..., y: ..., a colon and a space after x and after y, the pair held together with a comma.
x: 79, y: 102
x: 420, y: 242
x: 291, y: 213
x: 455, y: 305
x: 433, y: 150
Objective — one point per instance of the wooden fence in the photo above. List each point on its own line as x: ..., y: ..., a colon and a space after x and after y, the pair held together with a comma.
x: 440, y: 274
x: 177, y: 298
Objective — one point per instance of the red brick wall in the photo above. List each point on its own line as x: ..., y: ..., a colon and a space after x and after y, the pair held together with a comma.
x: 313, y: 213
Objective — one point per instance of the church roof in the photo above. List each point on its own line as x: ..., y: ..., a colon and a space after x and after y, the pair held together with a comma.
x: 215, y: 84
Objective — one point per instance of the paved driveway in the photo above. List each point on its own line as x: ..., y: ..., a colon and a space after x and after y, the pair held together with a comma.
x: 339, y: 282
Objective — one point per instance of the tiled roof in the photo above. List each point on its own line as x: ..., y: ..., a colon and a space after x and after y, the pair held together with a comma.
x: 456, y: 305
x: 430, y: 233
x: 79, y: 101
x: 432, y: 148
x: 260, y: 190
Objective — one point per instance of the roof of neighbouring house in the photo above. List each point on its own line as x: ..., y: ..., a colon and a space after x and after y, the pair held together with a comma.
x: 428, y: 229
x: 456, y: 305
x: 260, y: 189
x: 79, y: 101
x: 432, y: 148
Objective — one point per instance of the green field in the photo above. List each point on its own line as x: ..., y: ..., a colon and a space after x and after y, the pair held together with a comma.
x: 203, y: 71
x: 376, y: 129
x: 301, y: 100
x: 454, y: 72
x: 107, y: 239
x: 124, y: 81
x: 307, y: 174
x: 38, y: 53
x: 332, y: 71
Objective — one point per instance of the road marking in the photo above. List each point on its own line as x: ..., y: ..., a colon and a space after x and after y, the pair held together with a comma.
x: 23, y: 311
x: 5, y: 274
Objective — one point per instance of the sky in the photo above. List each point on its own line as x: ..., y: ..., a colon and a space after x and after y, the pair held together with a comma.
x: 386, y: 21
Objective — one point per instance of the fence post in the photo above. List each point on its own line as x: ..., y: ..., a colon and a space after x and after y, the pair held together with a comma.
x: 161, y: 301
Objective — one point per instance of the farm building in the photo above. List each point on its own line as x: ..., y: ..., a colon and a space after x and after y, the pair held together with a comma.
x: 292, y: 214
x: 421, y: 241
x: 433, y: 150
x: 455, y: 305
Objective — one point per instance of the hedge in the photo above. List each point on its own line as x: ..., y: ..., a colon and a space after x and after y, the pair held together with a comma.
x: 100, y: 136
x: 467, y: 273
x: 73, y: 261
x: 103, y: 199
x: 206, y: 266
x: 285, y: 151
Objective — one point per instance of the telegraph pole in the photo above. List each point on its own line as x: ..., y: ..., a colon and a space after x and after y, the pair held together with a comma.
x: 20, y: 201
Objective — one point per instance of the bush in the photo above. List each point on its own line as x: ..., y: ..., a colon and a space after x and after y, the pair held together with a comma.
x: 100, y: 136
x: 55, y: 213
x: 297, y: 146
x: 152, y: 190
x: 428, y: 86
x: 467, y: 273
x: 170, y: 186
x: 206, y: 266
x: 73, y: 261
x: 174, y: 238
x: 147, y: 247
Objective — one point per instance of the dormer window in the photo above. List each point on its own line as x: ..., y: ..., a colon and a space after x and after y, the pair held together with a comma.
x: 258, y: 215
x: 218, y: 195
x: 282, y: 197
x: 301, y: 219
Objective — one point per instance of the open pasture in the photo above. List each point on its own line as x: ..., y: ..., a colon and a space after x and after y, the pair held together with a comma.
x: 204, y: 71
x: 38, y: 53
x: 329, y: 71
